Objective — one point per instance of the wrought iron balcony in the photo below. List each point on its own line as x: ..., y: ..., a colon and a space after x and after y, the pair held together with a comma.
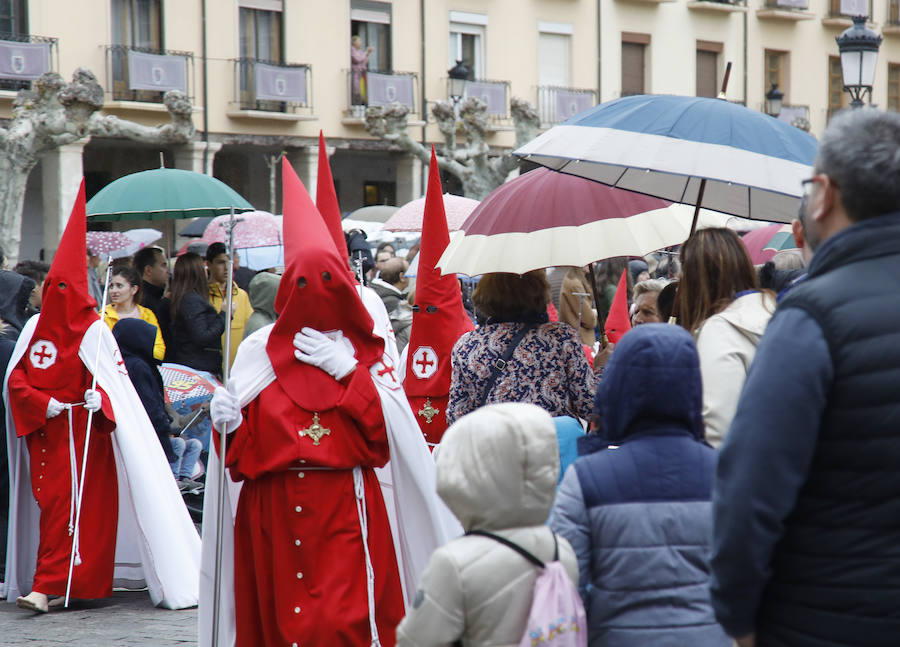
x: 270, y: 86
x: 557, y: 103
x: 495, y: 95
x: 24, y: 57
x: 145, y: 74
x: 372, y: 88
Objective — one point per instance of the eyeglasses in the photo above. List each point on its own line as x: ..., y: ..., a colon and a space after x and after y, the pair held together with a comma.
x: 807, y: 185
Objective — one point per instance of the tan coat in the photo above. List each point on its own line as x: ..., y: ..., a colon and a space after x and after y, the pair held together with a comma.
x: 496, y: 470
x: 576, y: 281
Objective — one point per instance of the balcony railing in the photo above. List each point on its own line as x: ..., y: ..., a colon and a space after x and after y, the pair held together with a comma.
x: 556, y: 104
x: 381, y: 89
x: 273, y: 87
x: 495, y: 95
x: 24, y: 57
x: 737, y: 3
x: 791, y: 5
x: 144, y: 74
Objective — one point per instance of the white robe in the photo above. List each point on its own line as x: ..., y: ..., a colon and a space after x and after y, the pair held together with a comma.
x: 420, y: 522
x: 157, y: 545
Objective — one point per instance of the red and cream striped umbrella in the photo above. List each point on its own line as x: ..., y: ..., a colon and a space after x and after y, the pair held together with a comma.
x: 545, y: 219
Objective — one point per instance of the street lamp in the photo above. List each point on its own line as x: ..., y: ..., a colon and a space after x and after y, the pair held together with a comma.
x: 773, y: 101
x: 458, y: 74
x: 858, y: 46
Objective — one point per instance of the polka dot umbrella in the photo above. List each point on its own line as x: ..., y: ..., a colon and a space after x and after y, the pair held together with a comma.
x: 118, y: 244
x: 253, y: 229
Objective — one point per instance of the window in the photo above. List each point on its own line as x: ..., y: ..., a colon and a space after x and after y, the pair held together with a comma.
x: 553, y: 59
x: 466, y: 42
x: 893, y: 12
x: 371, y: 21
x: 708, y: 68
x: 379, y: 193
x: 776, y: 72
x: 260, y: 34
x: 634, y: 54
x: 14, y: 17
x: 837, y: 98
x: 850, y: 8
x: 893, y: 92
x: 137, y: 23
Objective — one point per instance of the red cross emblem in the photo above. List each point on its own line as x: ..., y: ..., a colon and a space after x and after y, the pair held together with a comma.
x: 424, y: 362
x: 120, y: 363
x: 42, y: 354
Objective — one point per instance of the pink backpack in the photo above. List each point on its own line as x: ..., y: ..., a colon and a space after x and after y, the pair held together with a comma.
x: 556, y: 617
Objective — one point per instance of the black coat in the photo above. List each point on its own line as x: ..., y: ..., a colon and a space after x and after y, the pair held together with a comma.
x: 196, y: 334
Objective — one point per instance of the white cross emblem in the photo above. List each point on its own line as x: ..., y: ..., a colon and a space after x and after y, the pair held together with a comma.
x: 42, y: 354
x: 424, y: 362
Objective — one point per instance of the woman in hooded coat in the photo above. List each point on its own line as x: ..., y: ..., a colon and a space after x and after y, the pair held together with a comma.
x: 639, y: 515
x: 262, y: 290
x: 496, y: 470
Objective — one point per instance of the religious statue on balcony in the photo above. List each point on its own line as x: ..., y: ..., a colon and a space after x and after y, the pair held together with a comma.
x: 359, y: 59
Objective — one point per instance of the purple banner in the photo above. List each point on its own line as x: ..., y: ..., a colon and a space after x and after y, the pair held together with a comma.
x: 274, y: 83
x: 25, y: 61
x: 385, y: 89
x: 156, y: 72
x: 493, y: 94
x: 855, y: 7
x: 569, y: 103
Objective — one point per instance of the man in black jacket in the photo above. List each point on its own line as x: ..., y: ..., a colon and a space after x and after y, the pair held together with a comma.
x: 151, y: 265
x: 807, y: 495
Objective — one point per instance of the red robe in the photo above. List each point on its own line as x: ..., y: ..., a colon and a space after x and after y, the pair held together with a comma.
x: 51, y: 483
x: 300, y: 573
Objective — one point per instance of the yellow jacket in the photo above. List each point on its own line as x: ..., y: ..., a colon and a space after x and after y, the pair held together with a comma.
x: 241, y: 314
x: 110, y: 316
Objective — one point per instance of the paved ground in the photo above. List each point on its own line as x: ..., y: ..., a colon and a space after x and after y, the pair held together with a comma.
x: 124, y: 620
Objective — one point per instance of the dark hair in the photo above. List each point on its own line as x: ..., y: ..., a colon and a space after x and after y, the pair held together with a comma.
x: 381, y: 247
x: 715, y: 266
x: 35, y: 270
x: 665, y: 302
x: 145, y: 257
x: 860, y: 152
x: 214, y: 250
x: 501, y: 294
x: 188, y: 275
x: 128, y: 273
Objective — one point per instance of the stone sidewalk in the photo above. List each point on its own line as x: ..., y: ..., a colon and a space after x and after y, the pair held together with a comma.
x: 127, y: 619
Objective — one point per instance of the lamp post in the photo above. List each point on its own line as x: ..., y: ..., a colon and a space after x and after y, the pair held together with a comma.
x: 774, y: 98
x: 458, y: 74
x: 858, y: 46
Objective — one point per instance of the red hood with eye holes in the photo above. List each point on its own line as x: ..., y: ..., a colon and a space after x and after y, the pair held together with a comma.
x: 67, y: 309
x: 315, y: 291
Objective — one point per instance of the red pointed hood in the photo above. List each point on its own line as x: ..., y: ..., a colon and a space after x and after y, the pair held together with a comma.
x: 617, y: 321
x: 327, y: 202
x: 67, y: 309
x: 439, y: 318
x: 316, y: 291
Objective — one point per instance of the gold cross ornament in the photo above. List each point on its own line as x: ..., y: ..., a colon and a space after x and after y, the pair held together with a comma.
x: 428, y: 412
x: 315, y: 430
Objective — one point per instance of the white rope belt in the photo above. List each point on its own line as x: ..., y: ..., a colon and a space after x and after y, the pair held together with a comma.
x: 73, y: 469
x: 359, y: 488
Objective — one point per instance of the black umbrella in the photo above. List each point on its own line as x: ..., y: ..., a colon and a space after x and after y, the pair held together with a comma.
x: 196, y: 228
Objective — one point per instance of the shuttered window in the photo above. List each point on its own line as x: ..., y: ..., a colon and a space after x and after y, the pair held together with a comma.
x: 633, y: 66
x: 707, y: 73
x: 837, y: 98
x: 893, y: 93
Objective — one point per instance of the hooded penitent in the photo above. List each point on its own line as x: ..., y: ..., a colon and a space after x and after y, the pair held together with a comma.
x: 497, y: 467
x: 67, y: 309
x: 327, y: 202
x: 316, y: 290
x: 439, y: 320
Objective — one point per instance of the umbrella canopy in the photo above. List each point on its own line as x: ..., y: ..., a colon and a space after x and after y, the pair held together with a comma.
x: 253, y: 229
x: 118, y: 244
x: 261, y: 258
x: 782, y: 240
x: 165, y: 193
x: 756, y: 241
x: 373, y: 213
x: 665, y: 145
x: 409, y: 216
x: 196, y: 228
x: 545, y: 219
x: 186, y: 386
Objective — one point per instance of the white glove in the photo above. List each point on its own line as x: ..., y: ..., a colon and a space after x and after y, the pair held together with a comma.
x: 225, y: 410
x: 335, y: 357
x: 92, y: 400
x: 54, y: 408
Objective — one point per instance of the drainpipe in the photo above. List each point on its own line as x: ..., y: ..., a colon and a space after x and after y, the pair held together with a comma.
x: 599, y: 54
x: 424, y: 175
x: 205, y: 87
x: 746, y: 99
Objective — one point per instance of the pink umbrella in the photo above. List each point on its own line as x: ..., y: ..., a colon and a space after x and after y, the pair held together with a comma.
x: 254, y: 229
x: 755, y: 241
x: 544, y: 218
x: 117, y: 244
x: 409, y: 216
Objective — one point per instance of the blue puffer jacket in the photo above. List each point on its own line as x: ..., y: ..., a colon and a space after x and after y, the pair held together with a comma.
x: 639, y: 515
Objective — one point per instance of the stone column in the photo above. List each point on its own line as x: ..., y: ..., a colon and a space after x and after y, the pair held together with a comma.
x: 189, y: 156
x: 61, y: 173
x: 306, y: 163
x: 409, y: 179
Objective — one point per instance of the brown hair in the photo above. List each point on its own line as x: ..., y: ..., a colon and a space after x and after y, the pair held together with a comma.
x: 715, y: 266
x: 128, y: 273
x: 502, y: 294
x: 188, y: 275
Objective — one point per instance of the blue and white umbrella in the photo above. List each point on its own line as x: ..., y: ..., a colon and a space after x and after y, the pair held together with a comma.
x: 665, y: 146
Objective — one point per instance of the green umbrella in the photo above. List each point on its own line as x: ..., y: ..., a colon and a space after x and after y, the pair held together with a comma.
x: 165, y: 193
